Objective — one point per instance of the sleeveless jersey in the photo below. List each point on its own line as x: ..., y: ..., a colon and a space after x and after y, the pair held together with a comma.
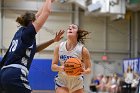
x: 62, y: 80
x: 64, y: 54
x: 22, y: 48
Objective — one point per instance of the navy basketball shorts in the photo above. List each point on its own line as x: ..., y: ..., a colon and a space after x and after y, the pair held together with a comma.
x: 14, y: 80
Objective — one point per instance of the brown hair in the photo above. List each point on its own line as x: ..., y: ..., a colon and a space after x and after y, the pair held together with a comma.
x: 129, y: 69
x: 25, y: 19
x: 82, y: 35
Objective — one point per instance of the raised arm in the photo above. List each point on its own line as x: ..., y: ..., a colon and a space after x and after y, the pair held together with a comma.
x: 42, y: 15
x: 57, y: 38
x: 39, y: 11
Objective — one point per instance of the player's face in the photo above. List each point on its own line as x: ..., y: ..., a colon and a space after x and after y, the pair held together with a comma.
x: 72, y: 30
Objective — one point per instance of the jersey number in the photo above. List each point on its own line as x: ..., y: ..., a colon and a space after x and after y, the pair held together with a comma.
x: 13, y: 46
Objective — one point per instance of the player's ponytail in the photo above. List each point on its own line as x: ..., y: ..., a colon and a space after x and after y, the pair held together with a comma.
x: 25, y: 19
x: 19, y: 20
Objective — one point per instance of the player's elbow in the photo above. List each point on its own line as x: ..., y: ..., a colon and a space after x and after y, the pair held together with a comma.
x: 36, y: 16
x: 52, y: 67
x: 47, y: 12
x: 88, y: 71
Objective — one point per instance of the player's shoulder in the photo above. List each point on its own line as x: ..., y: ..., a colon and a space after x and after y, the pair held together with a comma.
x: 85, y: 50
x: 80, y: 45
x: 62, y: 43
x: 20, y: 28
x: 30, y: 27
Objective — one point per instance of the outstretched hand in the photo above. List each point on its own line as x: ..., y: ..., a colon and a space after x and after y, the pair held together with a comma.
x: 59, y: 35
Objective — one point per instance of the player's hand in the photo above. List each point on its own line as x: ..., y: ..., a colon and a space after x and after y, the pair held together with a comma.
x: 59, y: 35
x: 61, y: 68
x: 83, y: 71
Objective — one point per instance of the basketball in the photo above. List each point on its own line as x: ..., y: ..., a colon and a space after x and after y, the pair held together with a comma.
x: 73, y: 67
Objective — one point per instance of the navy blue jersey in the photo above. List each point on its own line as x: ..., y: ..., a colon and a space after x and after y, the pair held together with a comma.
x: 22, y: 48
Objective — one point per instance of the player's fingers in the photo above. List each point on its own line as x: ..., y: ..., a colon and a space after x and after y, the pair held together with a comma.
x: 61, y: 32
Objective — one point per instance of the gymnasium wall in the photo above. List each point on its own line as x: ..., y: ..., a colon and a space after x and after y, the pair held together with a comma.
x: 106, y: 36
x: 116, y: 31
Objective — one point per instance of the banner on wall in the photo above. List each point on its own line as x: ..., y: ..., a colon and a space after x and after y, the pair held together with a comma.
x: 134, y: 63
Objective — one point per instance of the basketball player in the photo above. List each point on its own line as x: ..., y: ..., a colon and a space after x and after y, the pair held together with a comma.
x: 17, y: 61
x: 72, y: 47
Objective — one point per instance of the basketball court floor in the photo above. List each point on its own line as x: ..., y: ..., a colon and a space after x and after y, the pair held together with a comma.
x: 51, y: 91
x: 43, y: 91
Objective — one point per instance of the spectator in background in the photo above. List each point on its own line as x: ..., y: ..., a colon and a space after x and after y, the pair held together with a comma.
x: 99, y: 77
x: 129, y: 75
x: 103, y: 83
x: 108, y: 85
x: 115, y: 82
x: 94, y: 83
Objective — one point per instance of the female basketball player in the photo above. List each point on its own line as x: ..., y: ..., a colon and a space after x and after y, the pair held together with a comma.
x: 72, y: 47
x: 17, y: 61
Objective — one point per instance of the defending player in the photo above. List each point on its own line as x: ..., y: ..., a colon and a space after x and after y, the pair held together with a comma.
x: 16, y: 63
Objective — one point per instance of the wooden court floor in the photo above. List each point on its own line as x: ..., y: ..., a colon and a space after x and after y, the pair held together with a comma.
x: 52, y: 91
x: 43, y: 91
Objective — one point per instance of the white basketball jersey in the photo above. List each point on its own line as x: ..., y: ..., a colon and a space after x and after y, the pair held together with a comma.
x: 64, y: 54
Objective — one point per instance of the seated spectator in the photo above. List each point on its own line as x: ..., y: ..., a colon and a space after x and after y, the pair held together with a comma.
x: 103, y: 83
x: 108, y: 84
x: 115, y: 82
x: 95, y: 83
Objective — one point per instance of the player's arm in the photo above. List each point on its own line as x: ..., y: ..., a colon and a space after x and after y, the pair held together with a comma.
x: 44, y: 45
x: 42, y: 15
x: 57, y: 38
x: 55, y: 60
x: 86, y: 60
x: 40, y: 10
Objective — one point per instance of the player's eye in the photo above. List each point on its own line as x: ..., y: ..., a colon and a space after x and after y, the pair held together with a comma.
x: 74, y: 27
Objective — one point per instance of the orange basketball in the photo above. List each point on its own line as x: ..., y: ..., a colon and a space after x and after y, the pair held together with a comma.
x: 73, y: 67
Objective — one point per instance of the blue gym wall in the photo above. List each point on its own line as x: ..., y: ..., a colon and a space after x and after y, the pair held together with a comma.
x: 40, y: 75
